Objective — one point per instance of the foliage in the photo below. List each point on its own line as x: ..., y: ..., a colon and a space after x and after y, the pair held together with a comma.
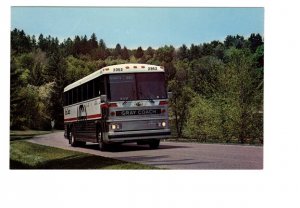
x: 204, y: 119
x: 217, y: 87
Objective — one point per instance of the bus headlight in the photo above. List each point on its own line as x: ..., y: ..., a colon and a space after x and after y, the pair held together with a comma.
x: 162, y: 124
x: 115, y: 126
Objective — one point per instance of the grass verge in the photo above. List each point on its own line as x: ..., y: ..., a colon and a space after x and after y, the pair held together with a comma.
x: 27, y: 134
x: 26, y: 155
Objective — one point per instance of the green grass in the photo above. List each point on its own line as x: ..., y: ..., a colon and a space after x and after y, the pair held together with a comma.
x: 26, y: 155
x: 27, y: 134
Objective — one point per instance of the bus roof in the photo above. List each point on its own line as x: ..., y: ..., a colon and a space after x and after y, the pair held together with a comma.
x: 116, y: 69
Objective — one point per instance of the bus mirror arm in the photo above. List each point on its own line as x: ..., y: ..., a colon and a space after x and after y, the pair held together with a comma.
x: 170, y: 95
x: 103, y: 98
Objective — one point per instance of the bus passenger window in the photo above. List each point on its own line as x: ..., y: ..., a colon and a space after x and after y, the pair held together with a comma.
x: 96, y: 87
x: 79, y: 92
x: 75, y: 95
x: 84, y: 92
x: 70, y: 97
x: 90, y: 89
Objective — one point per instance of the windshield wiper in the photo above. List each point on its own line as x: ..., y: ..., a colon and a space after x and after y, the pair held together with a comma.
x: 147, y: 97
x: 150, y: 100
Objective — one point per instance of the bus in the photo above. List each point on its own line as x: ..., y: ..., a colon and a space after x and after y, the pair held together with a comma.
x: 118, y: 104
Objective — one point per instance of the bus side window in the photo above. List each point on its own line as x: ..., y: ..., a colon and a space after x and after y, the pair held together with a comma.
x: 67, y: 97
x: 90, y: 89
x: 102, y: 87
x: 79, y: 93
x: 75, y: 95
x: 84, y: 92
x: 71, y: 97
x: 96, y: 87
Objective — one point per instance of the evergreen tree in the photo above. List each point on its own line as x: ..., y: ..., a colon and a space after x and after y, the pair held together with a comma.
x: 183, y: 52
x: 255, y: 41
x: 194, y: 52
x: 16, y: 85
x: 125, y: 54
x: 93, y: 42
x: 20, y: 43
x: 117, y: 51
x: 139, y: 53
x: 56, y: 71
x: 102, y: 44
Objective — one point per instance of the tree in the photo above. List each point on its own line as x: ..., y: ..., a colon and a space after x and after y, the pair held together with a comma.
x: 117, y: 51
x: 20, y: 43
x: 239, y: 85
x: 203, y: 75
x: 68, y: 47
x: 125, y: 54
x: 255, y: 41
x: 165, y: 54
x: 16, y: 85
x: 183, y: 52
x: 56, y: 71
x: 203, y: 120
x: 149, y: 53
x: 139, y: 53
x: 194, y: 52
x: 182, y: 96
x: 235, y: 41
x: 207, y: 49
x: 93, y: 43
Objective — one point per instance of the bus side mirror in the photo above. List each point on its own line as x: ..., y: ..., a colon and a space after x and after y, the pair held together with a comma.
x: 103, y: 98
x: 170, y: 95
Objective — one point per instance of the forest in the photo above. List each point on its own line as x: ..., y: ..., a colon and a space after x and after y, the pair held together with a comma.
x: 217, y: 87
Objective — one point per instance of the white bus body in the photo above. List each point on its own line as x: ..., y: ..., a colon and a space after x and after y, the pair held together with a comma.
x: 116, y: 104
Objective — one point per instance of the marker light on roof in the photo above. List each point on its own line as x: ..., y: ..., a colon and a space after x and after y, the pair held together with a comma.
x: 135, y: 67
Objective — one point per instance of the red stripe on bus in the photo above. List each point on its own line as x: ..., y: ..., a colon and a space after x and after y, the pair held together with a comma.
x: 88, y: 117
x: 94, y: 116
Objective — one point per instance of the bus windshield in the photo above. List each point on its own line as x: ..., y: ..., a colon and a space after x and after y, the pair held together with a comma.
x: 138, y: 86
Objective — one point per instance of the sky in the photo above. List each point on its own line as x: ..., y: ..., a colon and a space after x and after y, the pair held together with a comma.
x: 139, y: 26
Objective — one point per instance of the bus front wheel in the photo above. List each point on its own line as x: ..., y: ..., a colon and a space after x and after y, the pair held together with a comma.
x: 102, y: 145
x: 154, y: 144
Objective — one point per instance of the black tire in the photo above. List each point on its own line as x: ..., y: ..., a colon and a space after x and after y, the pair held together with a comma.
x: 72, y: 140
x: 154, y: 144
x: 81, y: 143
x: 142, y: 142
x: 102, y: 145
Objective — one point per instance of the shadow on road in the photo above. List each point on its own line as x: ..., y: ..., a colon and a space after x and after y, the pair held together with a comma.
x: 130, y: 147
x: 163, y: 160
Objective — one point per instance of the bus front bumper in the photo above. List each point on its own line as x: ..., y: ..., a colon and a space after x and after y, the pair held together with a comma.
x: 138, y: 135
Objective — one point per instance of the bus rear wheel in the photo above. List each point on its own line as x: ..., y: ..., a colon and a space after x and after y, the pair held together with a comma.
x: 73, y: 141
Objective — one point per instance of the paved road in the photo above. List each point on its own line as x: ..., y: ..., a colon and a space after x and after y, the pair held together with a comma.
x: 171, y: 155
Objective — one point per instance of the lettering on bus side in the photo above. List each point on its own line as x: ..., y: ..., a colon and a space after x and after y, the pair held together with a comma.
x: 67, y: 111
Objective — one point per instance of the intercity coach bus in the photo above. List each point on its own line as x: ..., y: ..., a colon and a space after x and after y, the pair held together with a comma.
x: 118, y: 104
